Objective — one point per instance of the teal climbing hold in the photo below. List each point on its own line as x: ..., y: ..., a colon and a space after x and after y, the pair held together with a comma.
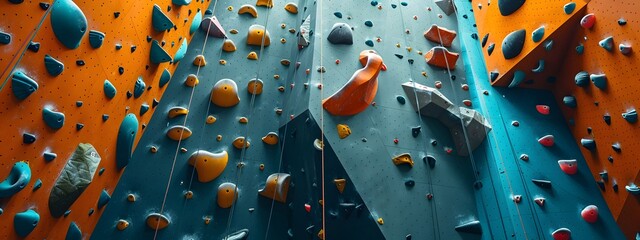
x: 570, y: 101
x: 404, y: 3
x: 338, y: 14
x: 518, y: 77
x: 159, y: 20
x: 582, y: 79
x: 25, y: 222
x: 548, y: 45
x: 580, y: 49
x: 633, y: 189
x: 66, y: 213
x: 374, y: 3
x: 431, y: 161
x: 400, y: 99
x: 53, y: 66
x: 181, y: 2
x: 341, y: 33
x: 138, y: 88
x: 34, y: 46
x: 79, y: 103
x: 588, y: 143
x: 540, y: 67
x: 28, y: 138
x: 607, y: 43
x: 604, y: 175
x: 37, y: 185
x: 484, y: 39
x: 537, y: 34
x: 74, y: 232
x: 494, y: 75
x: 5, y: 38
x: 52, y: 118
x: 158, y: 54
x: 599, y: 80
x: 109, y: 90
x: 68, y: 23
x: 49, y: 156
x: 541, y: 183
x: 239, y: 235
x: 144, y: 108
x: 22, y: 85
x: 490, y: 48
x: 165, y: 77
x: 105, y: 117
x: 181, y: 51
x: 369, y: 43
x: 630, y: 115
x: 368, y: 23
x: 624, y: 48
x: 195, y: 23
x: 96, y: 38
x: 126, y: 136
x: 75, y: 177
x: 507, y: 7
x: 104, y: 198
x: 470, y: 227
x: 569, y: 7
x: 18, y: 178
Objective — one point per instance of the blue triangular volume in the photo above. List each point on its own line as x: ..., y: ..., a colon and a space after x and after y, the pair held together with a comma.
x: 165, y: 77
x: 157, y: 54
x: 22, y: 85
x: 160, y: 21
x: 68, y: 23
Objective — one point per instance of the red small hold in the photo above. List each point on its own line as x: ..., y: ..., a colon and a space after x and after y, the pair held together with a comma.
x: 465, y: 87
x: 307, y: 71
x: 415, y: 17
x: 319, y: 86
x: 543, y: 109
x: 373, y: 104
x: 467, y: 103
x: 588, y: 21
x: 561, y: 234
x: 337, y: 61
x: 440, y: 15
x: 395, y: 140
x: 429, y: 196
x: 517, y: 198
x: 378, y: 39
x: 547, y: 141
x: 448, y: 150
x: 307, y: 207
x: 379, y: 7
x: 291, y: 116
x: 515, y: 123
x: 590, y: 213
x: 292, y: 85
x: 438, y: 84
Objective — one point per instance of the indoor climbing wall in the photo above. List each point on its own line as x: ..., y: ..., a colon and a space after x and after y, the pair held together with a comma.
x: 598, y: 93
x: 71, y: 73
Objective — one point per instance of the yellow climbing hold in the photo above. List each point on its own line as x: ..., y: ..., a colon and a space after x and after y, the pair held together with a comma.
x: 252, y: 56
x: 285, y: 62
x: 225, y: 93
x: 233, y: 31
x: 281, y: 88
x: 219, y: 138
x: 276, y: 76
x: 199, y: 61
x: 131, y: 197
x: 340, y: 184
x: 192, y: 80
x: 207, y: 220
x: 265, y: 3
x: 283, y: 26
x: 283, y: 40
x: 177, y: 111
x: 239, y: 143
x: 380, y: 221
x: 188, y: 195
x: 122, y: 224
x: 255, y: 86
x: 179, y: 132
x: 208, y: 165
x: 157, y: 221
x: 256, y: 34
x: 320, y: 202
x: 248, y: 9
x: 222, y: 62
x: 228, y: 46
x: 271, y: 138
x: 291, y: 7
x: 243, y: 120
x: 153, y: 149
x: 404, y: 158
x: 276, y: 187
x: 211, y: 119
x: 343, y: 130
x: 321, y: 234
x: 230, y: 8
x: 226, y: 195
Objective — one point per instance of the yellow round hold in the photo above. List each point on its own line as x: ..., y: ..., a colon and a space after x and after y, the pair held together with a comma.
x: 225, y: 93
x: 226, y: 195
x: 192, y: 80
x: 255, y: 86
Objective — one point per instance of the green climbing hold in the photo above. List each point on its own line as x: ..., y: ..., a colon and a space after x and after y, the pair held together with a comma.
x: 25, y: 222
x: 157, y: 54
x: 109, y: 90
x: 160, y: 21
x: 369, y: 43
x: 52, y: 118
x: 22, y: 85
x: 68, y: 23
x: 126, y: 135
x: 368, y: 23
x: 569, y: 7
x: 518, y: 77
x: 53, y: 66
x: 537, y: 34
x: 165, y: 77
x: 181, y: 51
x: 96, y: 38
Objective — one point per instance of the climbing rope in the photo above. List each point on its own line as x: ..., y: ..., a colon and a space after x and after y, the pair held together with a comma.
x: 324, y: 229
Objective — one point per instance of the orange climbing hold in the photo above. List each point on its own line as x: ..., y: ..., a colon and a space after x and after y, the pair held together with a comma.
x: 255, y: 86
x: 157, y: 221
x: 276, y: 187
x: 225, y: 93
x: 256, y: 34
x: 199, y: 61
x: 252, y: 56
x: 291, y: 7
x: 358, y: 93
x: 341, y: 183
x: 177, y: 111
x: 440, y: 35
x: 192, y: 80
x: 228, y: 46
x: 404, y: 158
x: 208, y: 165
x: 226, y: 195
x: 122, y: 224
x: 179, y: 132
x: 343, y: 131
x: 265, y: 3
x: 248, y: 9
x: 239, y: 143
x: 442, y: 58
x: 271, y: 138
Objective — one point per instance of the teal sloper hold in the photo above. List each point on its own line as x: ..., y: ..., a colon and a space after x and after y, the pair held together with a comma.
x: 582, y: 79
x: 52, y: 118
x: 631, y: 116
x: 109, y: 90
x: 37, y: 185
x: 588, y: 143
x: 507, y: 7
x: 540, y: 67
x: 181, y: 2
x: 5, y: 38
x: 369, y: 43
x: 368, y: 23
x: 165, y: 77
x: 126, y: 135
x: 138, y: 88
x: 96, y: 38
x: 470, y: 227
x: 181, y: 51
x: 518, y: 77
x: 570, y: 101
x: 75, y: 177
x: 569, y: 7
x: 338, y: 14
x: 74, y: 232
x: 68, y: 23
x: 580, y: 49
x: 548, y: 45
x: 239, y: 235
x: 195, y: 24
x: 160, y: 21
x: 143, y: 109
x: 607, y: 43
x: 537, y: 34
x: 53, y: 66
x: 49, y: 156
x: 22, y: 85
x: 104, y: 199
x: 25, y: 222
x: 599, y: 80
x: 17, y: 179
x: 624, y: 48
x: 157, y: 54
x: 404, y: 3
x: 490, y: 48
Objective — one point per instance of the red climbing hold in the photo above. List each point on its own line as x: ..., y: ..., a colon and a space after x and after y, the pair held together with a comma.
x: 588, y: 21
x: 539, y: 201
x: 395, y: 140
x: 568, y: 166
x: 543, y: 109
x: 561, y: 234
x: 590, y: 213
x: 307, y: 207
x: 547, y: 141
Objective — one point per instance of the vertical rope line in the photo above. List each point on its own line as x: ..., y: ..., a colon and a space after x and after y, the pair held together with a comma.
x: 324, y: 229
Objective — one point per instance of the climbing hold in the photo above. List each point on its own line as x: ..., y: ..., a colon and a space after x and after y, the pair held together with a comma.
x: 569, y: 7
x: 257, y: 34
x: 160, y: 21
x: 228, y: 46
x: 380, y: 221
x: 192, y: 80
x: 580, y: 49
x: 441, y: 57
x: 5, y: 38
x: 588, y: 143
x: 440, y: 35
x: 490, y: 48
x: 568, y: 166
x: 22, y: 85
x: 588, y: 20
x: 96, y: 38
x: 547, y: 141
x: 570, y: 101
x: 507, y: 7
x: 633, y: 189
x: 271, y: 138
x: 404, y: 158
x: 540, y: 67
x: 340, y: 183
x: 446, y: 6
x: 630, y: 115
x: 537, y: 34
x: 513, y: 43
x: 165, y: 77
x: 341, y: 33
x: 470, y: 227
x: 484, y: 39
x: 25, y: 222
x: 181, y: 2
x: 542, y: 183
x: 625, y: 49
x: 291, y: 7
x: 543, y: 109
x: 177, y: 111
x: 410, y: 183
x: 343, y: 131
x: 400, y: 99
x: 254, y: 86
x: 431, y: 161
x: 607, y: 43
x: 53, y: 66
x: 248, y: 9
x: 157, y: 54
x: 517, y: 198
x: 494, y: 75
x: 28, y: 138
x: 265, y: 3
x: 415, y: 131
x: 225, y: 93
x: 126, y: 136
x: 212, y: 27
x: 582, y: 79
x: 73, y: 232
x: 68, y: 23
x: 369, y: 43
x: 561, y: 234
x: 75, y: 177
x: 599, y: 80
x: 179, y: 132
x: 318, y: 144
x: 368, y: 23
x: 276, y: 187
x: 157, y: 221
x: 604, y: 175
x: 239, y: 143
x: 18, y: 178
x: 607, y: 118
x: 252, y: 56
x: 539, y: 201
x: 122, y: 224
x: 195, y: 23
x: 200, y: 61
x: 109, y: 90
x: 226, y: 195
x: 518, y: 77
x: 182, y: 50
x: 548, y: 45
x: 104, y: 198
x: 49, y: 156
x: 239, y: 235
x: 52, y: 118
x: 616, y: 147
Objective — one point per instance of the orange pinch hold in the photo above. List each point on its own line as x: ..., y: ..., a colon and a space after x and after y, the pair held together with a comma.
x: 442, y: 58
x: 358, y: 93
x: 435, y: 33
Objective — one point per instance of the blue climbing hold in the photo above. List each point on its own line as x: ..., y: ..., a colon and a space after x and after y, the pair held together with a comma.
x: 79, y: 126
x: 17, y: 179
x: 104, y: 198
x: 79, y: 103
x: 105, y: 117
x: 28, y: 138
x: 607, y: 43
x: 494, y: 75
x: 625, y: 49
x: 588, y: 143
x: 138, y: 88
x: 582, y: 79
x: 68, y: 23
x: 181, y: 51
x: 631, y: 116
x: 368, y: 23
x: 74, y: 232
x: 374, y: 3
x: 52, y: 118
x: 604, y: 175
x: 165, y: 77
x: 181, y: 2
x: 507, y: 7
x: 49, y: 156
x: 369, y: 43
x: 53, y: 66
x: 599, y: 80
x: 541, y: 183
x: 580, y: 49
x: 96, y: 38
x: 160, y: 21
x: 143, y: 109
x: 109, y: 90
x: 126, y: 136
x: 404, y: 3
x: 34, y: 46
x: 415, y: 131
x: 633, y: 189
x: 157, y: 54
x: 37, y: 185
x: 22, y: 85
x: 570, y: 101
x: 470, y: 227
x: 540, y: 67
x: 537, y: 34
x: 25, y: 222
x: 195, y: 24
x: 490, y: 48
x: 400, y: 99
x: 484, y: 39
x: 607, y: 118
x: 518, y: 77
x: 338, y: 14
x: 569, y: 7
x: 341, y: 34
x: 548, y: 45
x: 5, y: 38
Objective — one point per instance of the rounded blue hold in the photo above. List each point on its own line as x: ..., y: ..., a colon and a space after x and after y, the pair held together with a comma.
x: 507, y: 7
x: 138, y: 88
x: 17, y: 180
x: 22, y: 85
x: 580, y: 49
x: 28, y: 138
x: 338, y: 14
x: 53, y: 66
x: 25, y: 222
x: 369, y: 43
x: 126, y: 135
x: 599, y: 80
x: 368, y: 23
x: 404, y: 4
x: 537, y: 34
x: 109, y: 90
x: 374, y: 3
x: 68, y: 23
x: 74, y: 232
x: 5, y: 38
x: 400, y: 99
x: 569, y: 7
x: 570, y: 101
x: 165, y: 77
x: 582, y: 79
x: 52, y: 118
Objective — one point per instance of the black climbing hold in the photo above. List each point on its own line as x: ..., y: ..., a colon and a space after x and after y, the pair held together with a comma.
x: 622, y: 22
x: 465, y: 16
x: 49, y: 156
x: 507, y: 7
x: 338, y: 14
x: 368, y: 23
x: 91, y: 211
x: 398, y: 56
x: 589, y: 130
x: 431, y: 161
x: 101, y: 171
x: 121, y: 70
x: 155, y: 103
x: 79, y: 103
x: 80, y: 62
x: 542, y: 183
x: 513, y: 43
x: 484, y: 39
x: 474, y: 36
x: 616, y: 147
x: 341, y: 34
x: 600, y: 184
x: 494, y: 75
x: 434, y: 142
x: 401, y: 99
x: 145, y: 126
x: 34, y: 46
x: 116, y: 14
x: 28, y: 138
x: 105, y: 117
x: 163, y: 43
x: 133, y: 48
x: 5, y: 38
x: 588, y: 143
x: 410, y: 61
x: 615, y: 186
x: 610, y: 158
x: 470, y: 227
x: 44, y: 5
x: 143, y: 109
x: 208, y: 12
x: 607, y: 119
x: 596, y: 103
x: 394, y: 6
x: 149, y: 38
x: 364, y: 139
x: 347, y: 208
x: 129, y: 94
x: 477, y: 184
x: 490, y: 48
x: 79, y: 126
x: 453, y: 77
x: 408, y: 237
x: 410, y: 183
x: 415, y: 131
